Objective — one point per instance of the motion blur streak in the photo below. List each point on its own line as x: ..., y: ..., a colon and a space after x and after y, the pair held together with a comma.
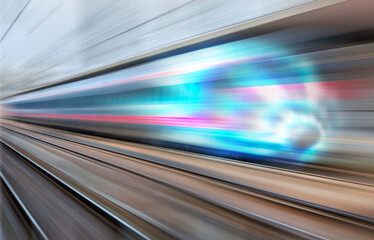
x: 238, y: 82
x: 181, y: 119
x: 170, y: 121
x: 255, y: 97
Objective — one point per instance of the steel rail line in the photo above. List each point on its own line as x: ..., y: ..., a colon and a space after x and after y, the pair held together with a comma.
x: 21, y: 206
x: 324, y: 210
x: 317, y: 166
x: 127, y: 229
x: 285, y: 228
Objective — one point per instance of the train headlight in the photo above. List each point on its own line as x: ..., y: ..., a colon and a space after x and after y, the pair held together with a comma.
x: 298, y: 131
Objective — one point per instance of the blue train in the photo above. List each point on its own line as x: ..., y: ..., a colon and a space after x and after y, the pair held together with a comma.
x: 245, y: 98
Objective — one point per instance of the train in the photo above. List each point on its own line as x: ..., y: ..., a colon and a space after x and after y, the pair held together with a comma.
x: 253, y: 98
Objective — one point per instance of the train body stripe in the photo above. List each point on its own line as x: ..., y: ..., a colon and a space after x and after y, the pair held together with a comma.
x: 192, y: 122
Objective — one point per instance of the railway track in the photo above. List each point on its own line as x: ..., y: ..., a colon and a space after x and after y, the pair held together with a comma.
x: 52, y: 208
x: 196, y: 174
x: 274, y: 229
x: 364, y: 224
x: 313, y: 168
x: 18, y: 222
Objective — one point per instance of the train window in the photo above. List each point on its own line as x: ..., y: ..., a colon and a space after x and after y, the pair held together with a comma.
x: 144, y: 95
x: 128, y: 97
x: 160, y: 94
x: 115, y: 99
x: 153, y: 94
x: 119, y: 99
x: 99, y: 100
x: 112, y: 99
x: 122, y: 98
x: 83, y: 102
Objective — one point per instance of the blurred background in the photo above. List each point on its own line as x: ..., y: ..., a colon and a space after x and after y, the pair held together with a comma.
x: 186, y: 119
